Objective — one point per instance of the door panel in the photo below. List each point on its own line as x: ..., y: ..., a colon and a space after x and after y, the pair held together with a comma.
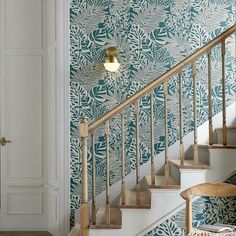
x: 24, y: 203
x: 23, y: 20
x: 23, y: 117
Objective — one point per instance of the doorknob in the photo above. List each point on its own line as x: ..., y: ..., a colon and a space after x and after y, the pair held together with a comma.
x: 3, y: 141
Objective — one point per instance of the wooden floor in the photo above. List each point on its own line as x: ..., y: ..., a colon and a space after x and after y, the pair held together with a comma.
x: 27, y: 233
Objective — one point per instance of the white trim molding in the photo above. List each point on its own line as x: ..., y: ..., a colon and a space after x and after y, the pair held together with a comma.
x: 63, y: 129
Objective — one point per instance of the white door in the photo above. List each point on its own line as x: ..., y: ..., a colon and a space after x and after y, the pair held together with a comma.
x: 21, y: 56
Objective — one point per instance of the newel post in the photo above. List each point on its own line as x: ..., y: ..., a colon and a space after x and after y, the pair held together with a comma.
x: 84, y: 207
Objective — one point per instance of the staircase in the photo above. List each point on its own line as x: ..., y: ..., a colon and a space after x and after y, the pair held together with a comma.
x: 154, y: 195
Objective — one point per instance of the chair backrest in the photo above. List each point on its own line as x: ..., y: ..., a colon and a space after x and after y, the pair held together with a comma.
x: 206, y: 189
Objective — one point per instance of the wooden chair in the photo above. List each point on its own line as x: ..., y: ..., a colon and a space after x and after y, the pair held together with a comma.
x: 206, y: 189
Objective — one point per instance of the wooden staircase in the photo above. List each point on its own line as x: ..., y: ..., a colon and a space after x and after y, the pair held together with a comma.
x: 141, y: 196
x: 161, y: 183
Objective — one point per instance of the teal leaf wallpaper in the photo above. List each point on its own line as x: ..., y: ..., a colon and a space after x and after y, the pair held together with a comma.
x: 152, y: 36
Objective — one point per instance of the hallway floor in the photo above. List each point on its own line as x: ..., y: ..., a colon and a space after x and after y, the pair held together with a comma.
x: 26, y: 233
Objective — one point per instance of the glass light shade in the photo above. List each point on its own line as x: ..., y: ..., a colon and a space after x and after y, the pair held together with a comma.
x: 112, y: 63
x: 112, y: 66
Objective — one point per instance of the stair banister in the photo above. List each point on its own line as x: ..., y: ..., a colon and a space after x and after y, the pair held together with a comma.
x: 94, y: 208
x: 195, y: 141
x: 107, y: 131
x: 153, y: 169
x: 181, y: 144
x: 223, y: 93
x: 209, y: 99
x: 122, y: 159
x: 147, y: 89
x: 86, y: 129
x: 84, y: 207
x: 166, y: 130
x: 136, y: 113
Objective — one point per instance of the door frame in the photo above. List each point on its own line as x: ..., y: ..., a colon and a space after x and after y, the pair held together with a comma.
x: 63, y: 128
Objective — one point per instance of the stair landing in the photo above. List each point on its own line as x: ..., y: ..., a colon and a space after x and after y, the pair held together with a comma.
x: 189, y: 164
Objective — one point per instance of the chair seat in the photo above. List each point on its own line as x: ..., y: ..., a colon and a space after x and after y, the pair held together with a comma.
x: 197, y: 232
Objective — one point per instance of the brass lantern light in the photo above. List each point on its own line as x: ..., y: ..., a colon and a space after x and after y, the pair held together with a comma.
x: 112, y: 62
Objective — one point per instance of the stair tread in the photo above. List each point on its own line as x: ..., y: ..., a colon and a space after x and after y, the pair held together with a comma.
x: 189, y: 164
x: 130, y: 200
x: 217, y: 146
x: 162, y: 183
x: 115, y: 218
x: 228, y: 127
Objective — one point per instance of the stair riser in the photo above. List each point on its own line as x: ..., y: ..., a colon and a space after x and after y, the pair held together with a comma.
x: 141, y: 218
x: 222, y: 163
x: 174, y: 173
x: 190, y: 177
x: 163, y: 202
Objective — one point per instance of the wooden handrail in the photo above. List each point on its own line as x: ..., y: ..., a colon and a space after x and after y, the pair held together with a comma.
x: 148, y: 88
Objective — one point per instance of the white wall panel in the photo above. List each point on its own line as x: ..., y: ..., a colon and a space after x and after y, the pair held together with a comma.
x: 23, y: 24
x: 23, y: 92
x: 25, y: 203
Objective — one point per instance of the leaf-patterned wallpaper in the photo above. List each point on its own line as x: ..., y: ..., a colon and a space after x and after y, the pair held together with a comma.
x: 152, y: 36
x: 206, y: 210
